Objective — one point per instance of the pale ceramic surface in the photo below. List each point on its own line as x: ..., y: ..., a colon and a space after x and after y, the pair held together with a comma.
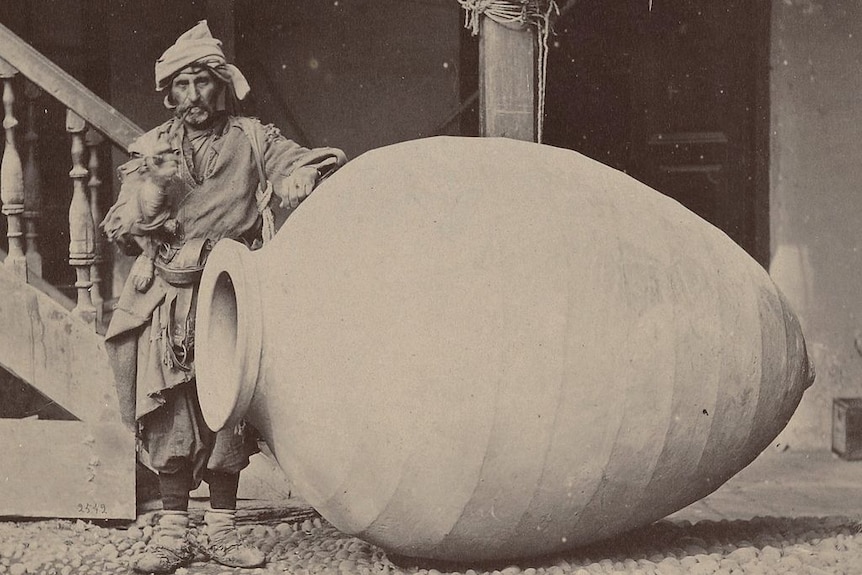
x: 485, y: 349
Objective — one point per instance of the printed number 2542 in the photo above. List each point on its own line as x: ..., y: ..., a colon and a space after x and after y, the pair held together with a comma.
x: 92, y: 508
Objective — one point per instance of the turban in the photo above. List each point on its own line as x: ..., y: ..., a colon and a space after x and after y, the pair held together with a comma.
x: 197, y: 46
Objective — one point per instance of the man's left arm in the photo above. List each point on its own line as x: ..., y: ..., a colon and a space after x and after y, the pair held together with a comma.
x: 295, y: 170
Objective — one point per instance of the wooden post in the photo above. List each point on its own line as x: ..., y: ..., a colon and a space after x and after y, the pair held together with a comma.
x: 32, y: 183
x: 507, y: 81
x: 82, y: 249
x: 93, y: 140
x: 12, y: 178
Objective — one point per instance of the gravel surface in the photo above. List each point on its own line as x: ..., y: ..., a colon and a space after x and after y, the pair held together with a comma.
x: 803, y: 546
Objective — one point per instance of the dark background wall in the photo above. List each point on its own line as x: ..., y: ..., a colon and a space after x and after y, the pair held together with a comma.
x: 356, y: 74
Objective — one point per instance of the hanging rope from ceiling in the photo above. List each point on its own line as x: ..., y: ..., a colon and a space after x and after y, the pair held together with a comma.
x: 519, y: 13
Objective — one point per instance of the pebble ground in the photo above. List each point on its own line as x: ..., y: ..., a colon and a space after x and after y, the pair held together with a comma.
x: 762, y: 545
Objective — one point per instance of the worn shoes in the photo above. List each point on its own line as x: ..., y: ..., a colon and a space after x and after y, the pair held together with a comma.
x: 172, y: 546
x: 223, y: 544
x: 169, y: 548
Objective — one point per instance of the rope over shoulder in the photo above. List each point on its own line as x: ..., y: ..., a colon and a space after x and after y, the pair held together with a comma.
x: 263, y: 195
x: 518, y: 13
x: 257, y: 134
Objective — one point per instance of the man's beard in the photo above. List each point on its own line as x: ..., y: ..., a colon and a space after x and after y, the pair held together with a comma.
x: 195, y: 115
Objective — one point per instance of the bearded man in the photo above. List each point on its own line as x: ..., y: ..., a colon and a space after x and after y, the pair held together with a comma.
x: 227, y: 169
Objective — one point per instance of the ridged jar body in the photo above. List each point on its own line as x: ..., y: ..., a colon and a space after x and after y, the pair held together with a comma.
x: 475, y: 349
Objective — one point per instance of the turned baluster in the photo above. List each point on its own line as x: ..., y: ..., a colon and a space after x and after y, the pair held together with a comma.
x: 82, y: 248
x: 12, y: 178
x: 32, y: 183
x: 93, y: 140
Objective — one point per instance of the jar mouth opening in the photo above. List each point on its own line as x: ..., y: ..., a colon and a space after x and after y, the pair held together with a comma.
x: 228, y: 335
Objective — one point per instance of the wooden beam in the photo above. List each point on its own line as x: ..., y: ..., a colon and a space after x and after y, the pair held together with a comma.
x: 60, y: 356
x: 61, y: 468
x: 47, y: 288
x: 67, y: 469
x: 62, y: 86
x: 507, y: 81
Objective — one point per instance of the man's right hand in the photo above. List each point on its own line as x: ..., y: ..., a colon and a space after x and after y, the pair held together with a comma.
x: 142, y: 273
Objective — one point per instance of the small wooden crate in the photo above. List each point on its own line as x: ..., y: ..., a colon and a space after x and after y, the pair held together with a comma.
x: 847, y: 427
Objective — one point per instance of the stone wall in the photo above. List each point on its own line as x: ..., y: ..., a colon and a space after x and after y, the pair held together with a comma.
x: 815, y: 199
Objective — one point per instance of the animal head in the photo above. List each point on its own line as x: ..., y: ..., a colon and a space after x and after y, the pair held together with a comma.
x: 161, y: 168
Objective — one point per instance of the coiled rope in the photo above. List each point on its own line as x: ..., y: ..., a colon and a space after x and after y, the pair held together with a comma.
x: 519, y: 13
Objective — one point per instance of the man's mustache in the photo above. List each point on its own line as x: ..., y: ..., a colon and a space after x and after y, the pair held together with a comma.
x: 183, y: 108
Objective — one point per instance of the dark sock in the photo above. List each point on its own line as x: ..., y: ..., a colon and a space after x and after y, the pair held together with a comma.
x: 223, y: 488
x: 175, y: 487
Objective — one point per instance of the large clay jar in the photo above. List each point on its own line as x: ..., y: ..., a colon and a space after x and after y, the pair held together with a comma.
x: 473, y: 349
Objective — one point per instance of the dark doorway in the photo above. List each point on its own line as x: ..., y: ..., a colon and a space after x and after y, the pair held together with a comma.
x: 676, y: 95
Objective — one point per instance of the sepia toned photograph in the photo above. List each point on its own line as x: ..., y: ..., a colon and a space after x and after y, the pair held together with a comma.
x: 430, y: 287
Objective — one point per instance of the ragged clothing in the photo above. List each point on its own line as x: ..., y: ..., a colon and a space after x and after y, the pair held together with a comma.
x: 151, y: 336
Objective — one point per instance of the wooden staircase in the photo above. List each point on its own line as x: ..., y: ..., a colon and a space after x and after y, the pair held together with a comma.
x: 82, y: 465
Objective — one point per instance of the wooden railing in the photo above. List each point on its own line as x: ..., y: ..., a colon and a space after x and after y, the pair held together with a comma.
x: 26, y: 76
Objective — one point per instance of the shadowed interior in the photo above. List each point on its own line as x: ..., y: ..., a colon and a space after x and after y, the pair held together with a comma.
x: 217, y: 334
x: 227, y: 335
x: 223, y: 327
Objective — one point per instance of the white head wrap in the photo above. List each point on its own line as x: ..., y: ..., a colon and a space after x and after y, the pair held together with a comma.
x: 197, y: 46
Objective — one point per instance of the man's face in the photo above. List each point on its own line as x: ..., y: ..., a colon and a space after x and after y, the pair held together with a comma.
x: 195, y: 92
